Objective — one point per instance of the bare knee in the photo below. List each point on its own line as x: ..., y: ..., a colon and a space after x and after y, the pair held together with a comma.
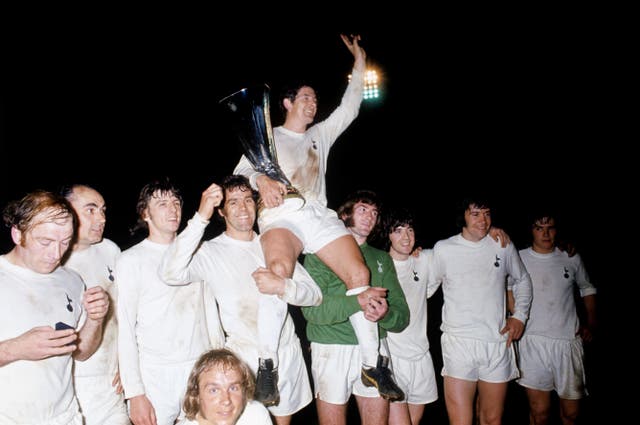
x: 569, y: 418
x: 569, y: 410
x: 281, y: 249
x: 539, y: 417
x: 282, y: 268
x: 492, y: 417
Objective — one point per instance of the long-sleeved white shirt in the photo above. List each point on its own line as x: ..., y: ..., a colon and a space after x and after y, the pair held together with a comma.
x: 553, y: 309
x: 474, y: 285
x: 412, y: 342
x: 96, y: 265
x: 303, y: 156
x: 35, y: 391
x: 158, y: 324
x: 226, y: 265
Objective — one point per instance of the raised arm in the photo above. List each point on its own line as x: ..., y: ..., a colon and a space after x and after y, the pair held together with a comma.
x: 174, y: 266
x: 359, y: 56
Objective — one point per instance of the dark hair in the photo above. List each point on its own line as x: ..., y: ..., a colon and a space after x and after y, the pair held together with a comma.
x: 212, y: 358
x: 290, y: 91
x: 369, y: 197
x: 393, y: 219
x: 478, y: 201
x: 162, y: 186
x: 236, y: 181
x: 68, y: 189
x: 542, y: 214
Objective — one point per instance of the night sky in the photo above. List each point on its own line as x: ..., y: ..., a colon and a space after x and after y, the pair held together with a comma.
x: 520, y: 109
x: 505, y: 108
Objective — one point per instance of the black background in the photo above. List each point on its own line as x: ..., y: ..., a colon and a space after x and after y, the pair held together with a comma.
x: 520, y: 105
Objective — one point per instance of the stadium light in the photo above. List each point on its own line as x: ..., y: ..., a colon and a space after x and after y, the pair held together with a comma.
x: 371, y: 84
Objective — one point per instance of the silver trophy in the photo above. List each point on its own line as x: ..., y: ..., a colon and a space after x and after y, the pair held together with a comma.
x: 248, y: 112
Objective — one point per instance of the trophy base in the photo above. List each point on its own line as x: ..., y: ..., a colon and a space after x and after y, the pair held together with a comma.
x: 293, y: 201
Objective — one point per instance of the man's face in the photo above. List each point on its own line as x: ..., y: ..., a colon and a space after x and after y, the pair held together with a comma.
x: 477, y: 223
x: 544, y: 235
x: 41, y: 248
x: 221, y: 395
x: 90, y: 209
x: 364, y: 219
x: 305, y: 105
x: 402, y: 240
x: 163, y: 214
x: 239, y: 212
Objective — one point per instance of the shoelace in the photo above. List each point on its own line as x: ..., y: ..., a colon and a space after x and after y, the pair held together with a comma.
x: 267, y: 381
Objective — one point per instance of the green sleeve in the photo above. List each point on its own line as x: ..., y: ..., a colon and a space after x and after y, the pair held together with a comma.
x: 336, y: 306
x: 383, y: 273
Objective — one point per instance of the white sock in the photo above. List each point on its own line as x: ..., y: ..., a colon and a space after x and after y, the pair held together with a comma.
x: 272, y: 312
x: 366, y: 332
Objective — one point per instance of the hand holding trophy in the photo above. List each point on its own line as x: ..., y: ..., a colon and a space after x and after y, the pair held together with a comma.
x: 248, y: 112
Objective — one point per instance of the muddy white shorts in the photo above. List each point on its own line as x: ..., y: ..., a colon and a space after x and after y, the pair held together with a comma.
x: 99, y: 403
x: 473, y: 359
x: 416, y: 378
x: 548, y: 364
x: 314, y: 224
x: 336, y: 371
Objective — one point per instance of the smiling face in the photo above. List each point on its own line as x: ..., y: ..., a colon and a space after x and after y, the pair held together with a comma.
x: 303, y: 108
x: 163, y: 215
x: 221, y: 395
x: 363, y: 221
x: 402, y: 239
x: 239, y: 212
x: 477, y: 223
